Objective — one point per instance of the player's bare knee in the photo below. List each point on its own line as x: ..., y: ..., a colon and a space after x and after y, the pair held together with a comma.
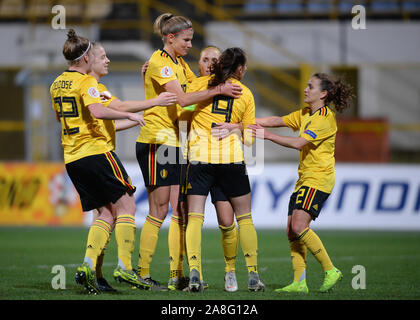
x: 225, y: 221
x: 159, y: 210
x: 125, y: 205
x: 297, y: 226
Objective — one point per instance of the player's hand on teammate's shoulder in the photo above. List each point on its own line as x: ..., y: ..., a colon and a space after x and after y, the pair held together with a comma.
x: 230, y: 89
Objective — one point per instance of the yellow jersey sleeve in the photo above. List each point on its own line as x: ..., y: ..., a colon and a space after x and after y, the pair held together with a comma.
x: 89, y: 91
x: 318, y: 129
x: 161, y: 71
x: 108, y: 125
x: 105, y: 101
x: 248, y: 117
x: 293, y: 120
x: 249, y: 113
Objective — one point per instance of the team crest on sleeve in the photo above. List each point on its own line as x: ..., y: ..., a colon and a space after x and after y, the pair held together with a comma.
x: 166, y: 72
x: 93, y: 92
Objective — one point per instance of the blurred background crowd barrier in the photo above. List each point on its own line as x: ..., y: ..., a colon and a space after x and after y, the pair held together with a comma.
x: 286, y: 41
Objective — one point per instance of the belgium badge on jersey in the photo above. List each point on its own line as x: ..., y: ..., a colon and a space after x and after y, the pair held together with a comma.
x: 163, y: 173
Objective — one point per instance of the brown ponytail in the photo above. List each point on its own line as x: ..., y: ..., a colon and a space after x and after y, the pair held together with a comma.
x: 167, y: 23
x: 75, y: 47
x: 339, y: 93
x: 227, y: 65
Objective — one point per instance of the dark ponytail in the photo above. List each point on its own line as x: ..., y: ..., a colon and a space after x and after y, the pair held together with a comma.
x: 227, y: 65
x: 75, y: 47
x: 339, y: 93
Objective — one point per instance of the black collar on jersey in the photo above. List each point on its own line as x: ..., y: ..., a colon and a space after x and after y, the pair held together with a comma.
x: 74, y: 71
x: 322, y: 111
x: 163, y: 51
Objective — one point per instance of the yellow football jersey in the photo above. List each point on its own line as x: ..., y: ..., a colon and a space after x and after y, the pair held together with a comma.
x: 202, y: 145
x: 162, y: 122
x: 109, y: 125
x: 316, y: 165
x: 82, y: 134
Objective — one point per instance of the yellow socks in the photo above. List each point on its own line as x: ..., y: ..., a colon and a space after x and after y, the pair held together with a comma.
x: 193, y: 240
x: 249, y: 241
x: 298, y: 254
x: 148, y: 240
x: 310, y: 239
x: 125, y: 233
x: 230, y: 246
x: 100, y: 260
x: 97, y: 239
x: 176, y: 244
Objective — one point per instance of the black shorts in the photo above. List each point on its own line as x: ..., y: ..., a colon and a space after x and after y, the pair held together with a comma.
x: 217, y: 194
x: 159, y: 164
x: 232, y: 178
x: 216, y: 191
x: 308, y: 199
x: 99, y: 179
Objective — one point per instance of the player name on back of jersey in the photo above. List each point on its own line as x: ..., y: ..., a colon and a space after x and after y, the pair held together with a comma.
x: 62, y: 84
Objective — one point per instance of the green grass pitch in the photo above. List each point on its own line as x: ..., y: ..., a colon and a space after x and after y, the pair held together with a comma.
x: 391, y: 262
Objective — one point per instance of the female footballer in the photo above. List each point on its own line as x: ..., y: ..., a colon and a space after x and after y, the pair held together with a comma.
x: 317, y: 128
x: 99, y: 70
x: 225, y: 216
x: 220, y: 162
x: 95, y: 170
x: 158, y: 146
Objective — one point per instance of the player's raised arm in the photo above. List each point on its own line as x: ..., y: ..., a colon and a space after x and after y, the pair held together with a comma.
x: 163, y: 99
x: 291, y: 142
x: 98, y: 111
x: 271, y: 122
x: 127, y: 124
x: 186, y: 99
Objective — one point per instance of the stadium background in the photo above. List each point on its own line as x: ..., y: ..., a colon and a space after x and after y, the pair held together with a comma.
x: 378, y: 144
